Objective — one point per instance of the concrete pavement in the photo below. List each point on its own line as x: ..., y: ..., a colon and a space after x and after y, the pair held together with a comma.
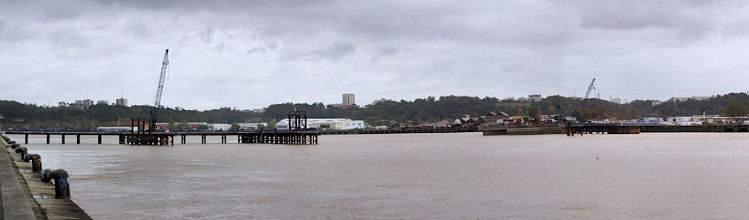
x: 13, y: 199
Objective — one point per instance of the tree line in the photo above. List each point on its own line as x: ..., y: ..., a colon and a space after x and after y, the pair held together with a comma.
x: 381, y: 112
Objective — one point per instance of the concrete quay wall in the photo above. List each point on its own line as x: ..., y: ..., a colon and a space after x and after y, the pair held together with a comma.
x: 39, y: 196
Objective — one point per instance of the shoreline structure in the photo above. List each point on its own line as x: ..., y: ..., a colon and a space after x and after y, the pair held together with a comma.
x: 26, y: 196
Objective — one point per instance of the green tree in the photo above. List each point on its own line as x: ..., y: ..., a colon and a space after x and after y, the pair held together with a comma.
x: 202, y: 127
x: 534, y: 114
x: 234, y: 127
x: 736, y: 109
x: 171, y: 125
x: 183, y: 125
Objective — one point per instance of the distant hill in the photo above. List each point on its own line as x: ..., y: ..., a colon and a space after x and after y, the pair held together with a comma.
x: 381, y: 112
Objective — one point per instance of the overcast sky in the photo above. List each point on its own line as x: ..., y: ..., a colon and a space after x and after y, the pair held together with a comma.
x: 249, y: 54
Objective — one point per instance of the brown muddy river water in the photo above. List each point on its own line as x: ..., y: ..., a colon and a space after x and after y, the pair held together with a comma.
x: 414, y: 176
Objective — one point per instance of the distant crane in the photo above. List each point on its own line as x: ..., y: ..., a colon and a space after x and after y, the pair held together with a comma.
x: 590, y: 88
x: 517, y: 119
x: 157, y: 104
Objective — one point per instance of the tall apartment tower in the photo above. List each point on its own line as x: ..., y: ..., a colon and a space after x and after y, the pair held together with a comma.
x: 121, y: 101
x: 348, y: 99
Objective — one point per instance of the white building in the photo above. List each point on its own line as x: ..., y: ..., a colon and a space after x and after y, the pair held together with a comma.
x: 330, y: 123
x: 219, y: 127
x: 116, y: 129
x: 534, y: 97
x: 83, y: 104
x: 616, y: 100
x: 251, y: 126
x: 696, y: 98
x: 121, y: 101
x: 105, y: 102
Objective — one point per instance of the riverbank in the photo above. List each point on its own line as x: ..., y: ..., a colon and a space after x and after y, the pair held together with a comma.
x: 39, y: 196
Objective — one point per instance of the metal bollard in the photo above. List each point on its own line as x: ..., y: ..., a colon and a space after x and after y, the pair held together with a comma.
x: 45, y: 176
x: 22, y: 151
x: 62, y: 188
x: 36, y: 162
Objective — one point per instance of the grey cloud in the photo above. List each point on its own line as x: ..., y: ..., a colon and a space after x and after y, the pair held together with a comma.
x: 225, y: 5
x: 385, y: 51
x: 223, y: 47
x: 335, y: 51
x: 206, y: 35
x: 688, y: 16
x: 506, y: 48
x: 138, y: 28
x: 263, y: 48
x: 332, y: 53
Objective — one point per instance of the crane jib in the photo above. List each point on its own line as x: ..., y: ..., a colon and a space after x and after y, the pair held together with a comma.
x: 157, y: 102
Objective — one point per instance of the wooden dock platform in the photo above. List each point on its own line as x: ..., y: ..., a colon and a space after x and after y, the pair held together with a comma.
x: 261, y: 136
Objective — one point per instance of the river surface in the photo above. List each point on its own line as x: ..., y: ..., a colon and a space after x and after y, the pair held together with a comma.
x: 414, y: 176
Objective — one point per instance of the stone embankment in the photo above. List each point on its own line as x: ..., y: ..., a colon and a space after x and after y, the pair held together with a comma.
x: 28, y: 191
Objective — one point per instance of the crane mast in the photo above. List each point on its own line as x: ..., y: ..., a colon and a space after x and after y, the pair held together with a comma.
x: 590, y: 88
x: 157, y: 103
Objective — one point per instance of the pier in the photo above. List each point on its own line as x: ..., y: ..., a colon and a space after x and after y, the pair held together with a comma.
x: 261, y: 136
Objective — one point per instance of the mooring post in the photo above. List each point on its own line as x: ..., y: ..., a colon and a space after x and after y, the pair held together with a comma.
x: 78, y: 138
x: 26, y: 138
x: 261, y: 136
x: 22, y: 151
x: 62, y: 188
x: 47, y: 138
x: 36, y: 162
x: 63, y: 138
x: 99, y: 139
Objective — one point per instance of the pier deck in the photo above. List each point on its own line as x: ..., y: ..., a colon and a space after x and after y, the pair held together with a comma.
x: 275, y: 136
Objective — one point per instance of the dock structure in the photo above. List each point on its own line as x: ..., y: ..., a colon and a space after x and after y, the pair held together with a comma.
x: 275, y: 136
x: 140, y: 134
x: 281, y: 137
